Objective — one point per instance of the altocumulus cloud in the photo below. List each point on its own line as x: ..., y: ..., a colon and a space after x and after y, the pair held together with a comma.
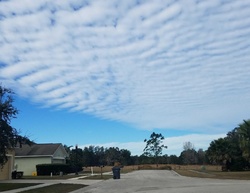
x: 153, y: 64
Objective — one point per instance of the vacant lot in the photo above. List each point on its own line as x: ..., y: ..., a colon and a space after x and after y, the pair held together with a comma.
x: 215, y: 174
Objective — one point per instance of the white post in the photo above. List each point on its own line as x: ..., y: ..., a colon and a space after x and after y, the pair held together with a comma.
x: 92, y: 171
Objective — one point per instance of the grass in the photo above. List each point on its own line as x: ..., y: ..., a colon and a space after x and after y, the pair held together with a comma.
x: 56, y: 188
x: 98, y: 177
x: 55, y: 177
x: 12, y: 186
x: 245, y: 175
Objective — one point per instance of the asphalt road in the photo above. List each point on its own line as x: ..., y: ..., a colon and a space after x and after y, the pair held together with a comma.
x: 162, y: 181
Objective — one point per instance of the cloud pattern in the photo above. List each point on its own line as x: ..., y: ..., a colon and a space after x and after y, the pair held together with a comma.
x: 153, y: 64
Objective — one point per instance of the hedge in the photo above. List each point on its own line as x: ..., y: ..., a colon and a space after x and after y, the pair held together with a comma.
x: 55, y: 169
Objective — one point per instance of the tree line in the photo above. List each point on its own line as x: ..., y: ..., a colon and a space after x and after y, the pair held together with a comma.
x: 232, y: 152
x: 100, y: 156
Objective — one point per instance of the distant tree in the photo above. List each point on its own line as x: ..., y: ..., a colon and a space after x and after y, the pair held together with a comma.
x: 163, y: 159
x: 188, y: 155
x: 244, y: 138
x: 145, y: 159
x: 232, y: 151
x: 173, y: 159
x: 236, y: 160
x: 154, y: 145
x: 219, y: 151
x: 9, y: 136
x: 125, y: 156
x: 201, y: 156
x: 112, y: 155
x: 188, y: 146
x: 99, y: 156
x: 76, y: 161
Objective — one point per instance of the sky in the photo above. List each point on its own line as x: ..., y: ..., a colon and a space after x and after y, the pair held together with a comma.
x: 109, y: 73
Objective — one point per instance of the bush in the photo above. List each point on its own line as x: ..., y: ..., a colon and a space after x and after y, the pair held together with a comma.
x: 55, y: 169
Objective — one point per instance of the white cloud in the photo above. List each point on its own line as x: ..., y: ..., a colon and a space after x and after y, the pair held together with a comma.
x: 156, y: 64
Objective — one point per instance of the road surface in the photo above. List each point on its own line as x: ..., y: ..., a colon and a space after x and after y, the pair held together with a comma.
x: 162, y: 181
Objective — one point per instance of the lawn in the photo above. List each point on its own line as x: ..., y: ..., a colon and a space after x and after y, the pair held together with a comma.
x: 245, y: 175
x: 55, y: 177
x: 56, y: 188
x: 98, y: 177
x: 11, y: 186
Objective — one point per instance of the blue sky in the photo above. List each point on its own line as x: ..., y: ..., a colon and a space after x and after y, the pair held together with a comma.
x: 110, y: 72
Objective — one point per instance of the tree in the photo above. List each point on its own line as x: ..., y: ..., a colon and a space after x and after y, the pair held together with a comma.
x: 112, y: 155
x: 88, y: 156
x: 244, y: 137
x: 188, y: 146
x: 173, y: 159
x: 125, y: 157
x: 201, y: 156
x: 219, y: 152
x: 75, y: 159
x: 154, y: 145
x: 233, y: 151
x: 188, y: 155
x: 9, y: 136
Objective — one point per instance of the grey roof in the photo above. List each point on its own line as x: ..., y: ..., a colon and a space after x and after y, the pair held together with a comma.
x: 37, y: 149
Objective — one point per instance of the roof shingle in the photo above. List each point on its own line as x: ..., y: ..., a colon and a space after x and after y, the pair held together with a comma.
x: 37, y: 149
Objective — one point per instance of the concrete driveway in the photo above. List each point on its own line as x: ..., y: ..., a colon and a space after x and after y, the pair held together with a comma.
x: 162, y: 181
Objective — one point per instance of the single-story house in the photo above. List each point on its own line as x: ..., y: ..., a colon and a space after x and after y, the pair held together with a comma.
x: 6, y: 170
x: 27, y: 157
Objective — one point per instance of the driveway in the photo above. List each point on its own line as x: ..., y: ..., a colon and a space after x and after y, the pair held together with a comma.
x: 162, y: 181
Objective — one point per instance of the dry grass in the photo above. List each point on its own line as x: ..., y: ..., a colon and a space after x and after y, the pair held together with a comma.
x: 56, y: 188
x: 215, y: 174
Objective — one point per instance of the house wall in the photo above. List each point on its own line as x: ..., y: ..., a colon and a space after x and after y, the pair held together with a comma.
x: 58, y: 161
x: 28, y: 165
x: 5, y: 172
x: 60, y: 156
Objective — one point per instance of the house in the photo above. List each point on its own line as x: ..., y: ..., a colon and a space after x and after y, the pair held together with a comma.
x: 6, y: 170
x: 27, y: 157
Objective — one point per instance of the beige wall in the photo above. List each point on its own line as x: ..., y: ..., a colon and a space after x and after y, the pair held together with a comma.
x: 58, y: 161
x: 28, y: 165
x: 5, y: 172
x: 59, y: 156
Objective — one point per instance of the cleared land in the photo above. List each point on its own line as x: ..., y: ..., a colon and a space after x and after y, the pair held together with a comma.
x: 215, y: 174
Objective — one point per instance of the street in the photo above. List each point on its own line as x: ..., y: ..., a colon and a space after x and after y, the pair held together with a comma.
x: 150, y: 181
